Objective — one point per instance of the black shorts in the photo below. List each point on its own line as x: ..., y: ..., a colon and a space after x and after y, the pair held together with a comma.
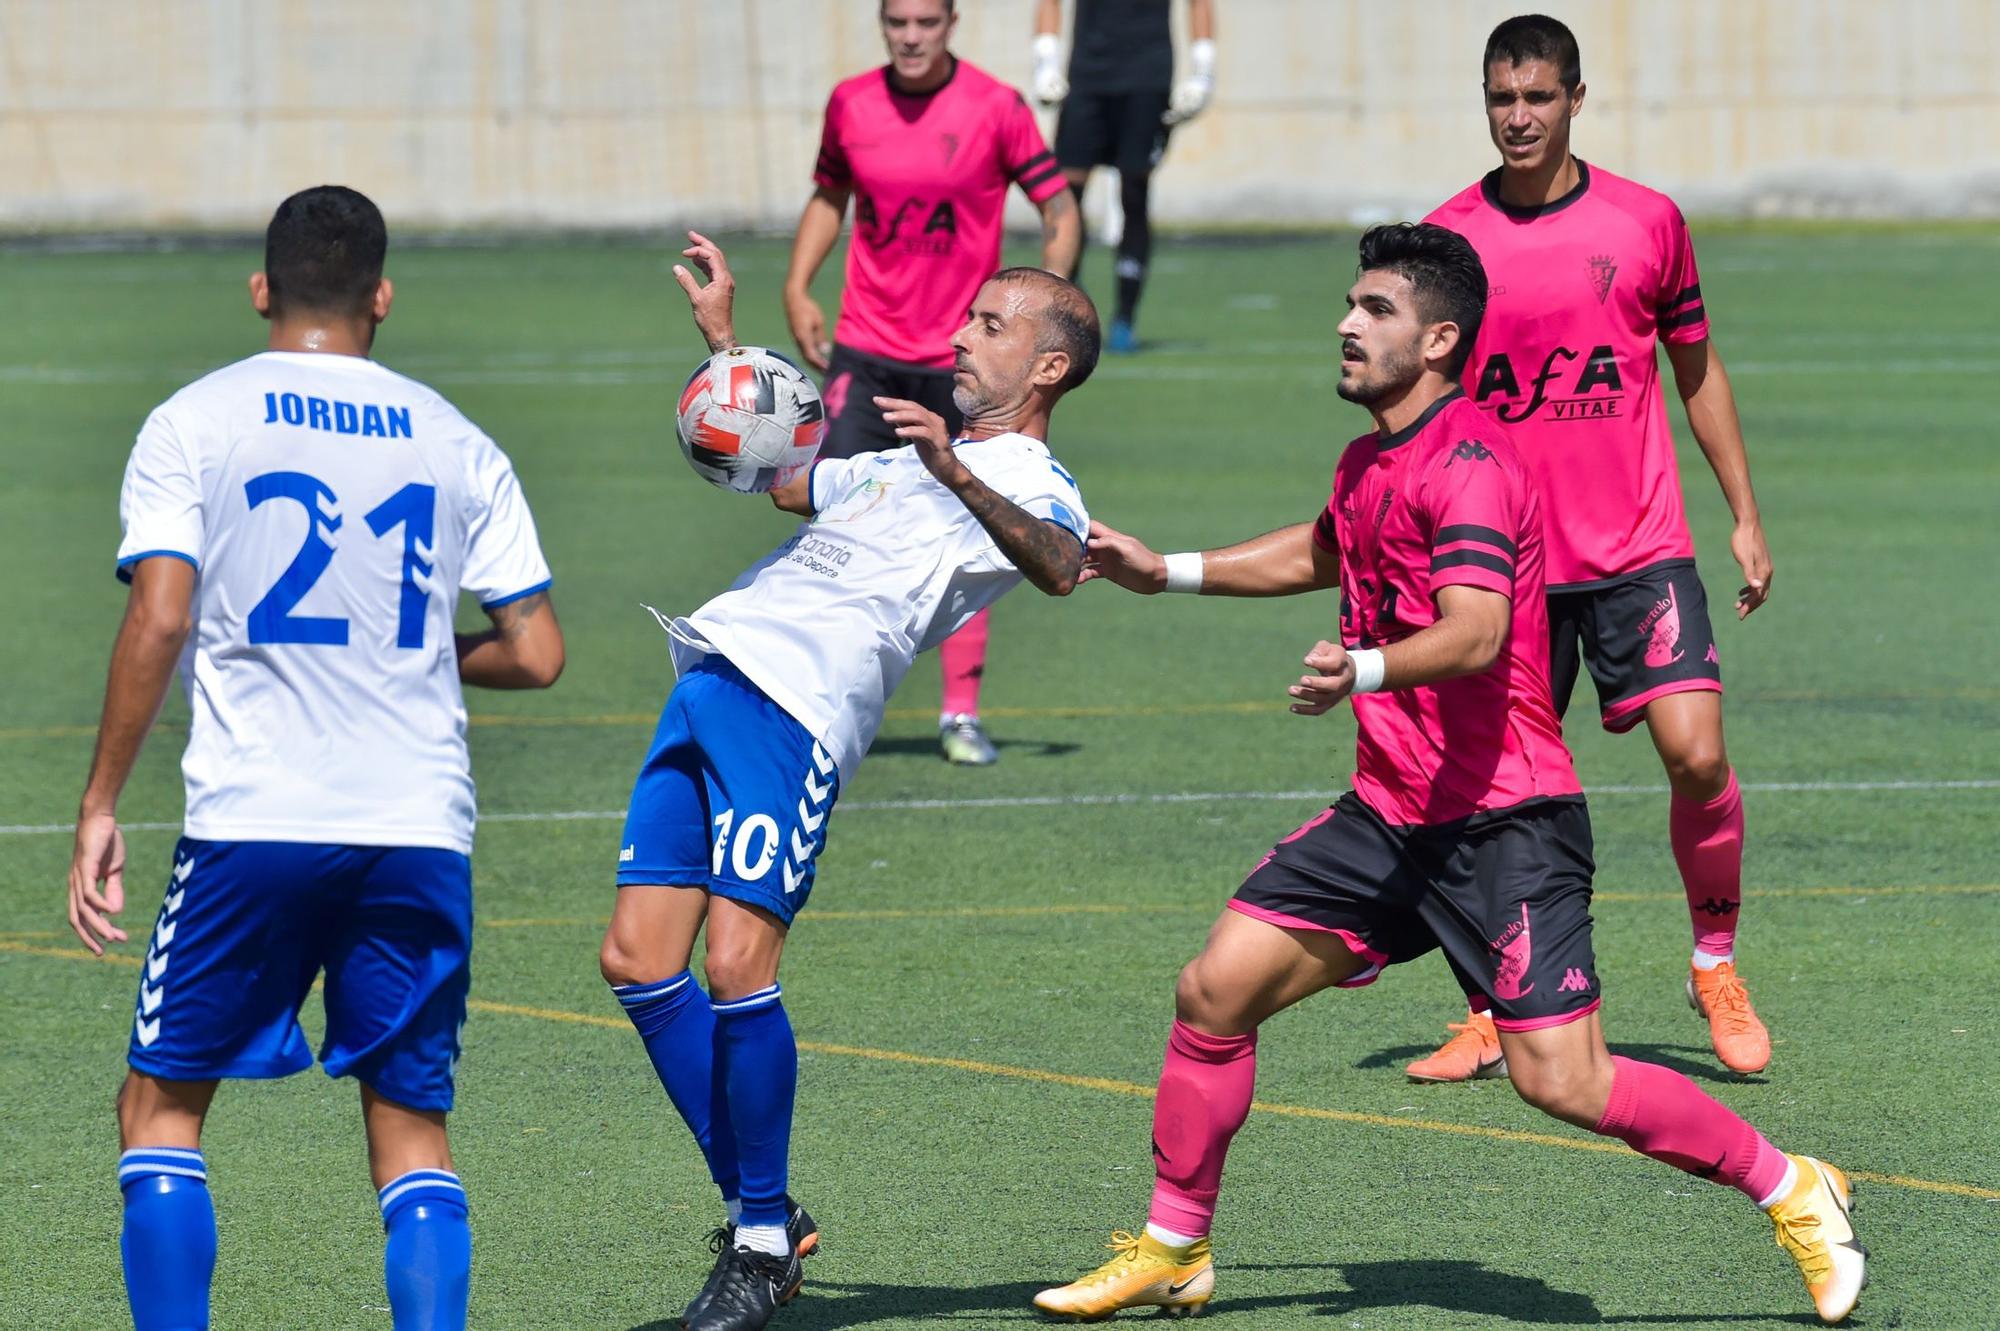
x: 1643, y: 636
x: 854, y: 379
x: 1121, y: 129
x: 1505, y: 894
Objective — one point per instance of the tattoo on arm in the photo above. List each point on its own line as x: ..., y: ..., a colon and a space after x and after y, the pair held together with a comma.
x: 510, y: 621
x: 1047, y: 556
x: 1054, y: 210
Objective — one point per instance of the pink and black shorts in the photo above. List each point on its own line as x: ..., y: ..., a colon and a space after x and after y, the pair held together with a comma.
x: 1642, y: 635
x: 1506, y: 894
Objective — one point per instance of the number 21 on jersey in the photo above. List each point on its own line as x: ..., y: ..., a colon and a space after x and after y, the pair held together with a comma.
x: 413, y: 508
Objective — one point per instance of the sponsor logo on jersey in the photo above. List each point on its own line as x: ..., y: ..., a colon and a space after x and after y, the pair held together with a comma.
x: 1572, y: 385
x: 918, y: 226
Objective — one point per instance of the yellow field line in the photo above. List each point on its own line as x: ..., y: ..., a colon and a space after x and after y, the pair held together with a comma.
x: 1109, y: 710
x: 1107, y: 1085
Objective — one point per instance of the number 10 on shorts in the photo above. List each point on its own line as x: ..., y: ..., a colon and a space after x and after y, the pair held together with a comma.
x: 756, y: 846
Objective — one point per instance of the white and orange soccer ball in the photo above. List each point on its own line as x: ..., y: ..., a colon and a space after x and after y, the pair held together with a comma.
x: 749, y: 420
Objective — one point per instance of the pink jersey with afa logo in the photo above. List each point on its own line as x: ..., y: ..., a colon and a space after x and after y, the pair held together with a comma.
x: 1445, y: 502
x: 1581, y: 291
x: 929, y: 175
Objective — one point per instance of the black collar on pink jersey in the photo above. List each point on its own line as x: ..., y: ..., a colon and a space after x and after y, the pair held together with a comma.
x: 1385, y: 442
x: 1489, y: 185
x: 889, y: 81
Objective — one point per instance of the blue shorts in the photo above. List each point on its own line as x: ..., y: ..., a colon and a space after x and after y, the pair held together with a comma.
x: 245, y: 928
x: 733, y: 797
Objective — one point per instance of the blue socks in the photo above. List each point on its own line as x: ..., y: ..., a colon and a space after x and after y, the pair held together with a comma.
x: 169, y: 1237
x: 757, y: 1064
x: 673, y: 1018
x: 427, y: 1261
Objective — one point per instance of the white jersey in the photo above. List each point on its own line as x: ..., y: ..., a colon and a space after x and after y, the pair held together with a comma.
x: 333, y: 510
x: 891, y: 564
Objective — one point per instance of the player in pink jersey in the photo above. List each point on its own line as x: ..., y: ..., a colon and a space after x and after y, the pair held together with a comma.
x: 1590, y: 273
x: 926, y: 146
x: 1466, y: 828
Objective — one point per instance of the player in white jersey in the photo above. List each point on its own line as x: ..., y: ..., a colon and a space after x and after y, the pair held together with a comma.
x: 298, y: 527
x: 783, y: 679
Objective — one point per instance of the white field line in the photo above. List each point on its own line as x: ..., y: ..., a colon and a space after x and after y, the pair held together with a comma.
x: 1300, y: 364
x: 1128, y: 798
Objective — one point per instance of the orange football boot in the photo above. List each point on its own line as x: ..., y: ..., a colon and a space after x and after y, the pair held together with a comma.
x: 1472, y: 1052
x: 1740, y: 1040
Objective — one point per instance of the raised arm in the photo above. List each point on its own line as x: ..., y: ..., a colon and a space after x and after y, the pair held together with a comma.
x: 1049, y: 556
x: 158, y: 617
x: 1284, y: 562
x: 1711, y: 411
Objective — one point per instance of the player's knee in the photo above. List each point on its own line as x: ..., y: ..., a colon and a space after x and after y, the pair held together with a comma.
x: 619, y: 963
x: 1197, y: 999
x: 1568, y: 1089
x: 737, y: 969
x: 1698, y: 768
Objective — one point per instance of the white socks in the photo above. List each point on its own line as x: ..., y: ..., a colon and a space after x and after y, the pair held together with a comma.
x: 763, y: 1238
x: 1708, y: 961
x: 1168, y: 1237
x: 1785, y: 1187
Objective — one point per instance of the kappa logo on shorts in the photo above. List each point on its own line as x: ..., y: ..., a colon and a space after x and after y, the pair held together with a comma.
x: 1573, y: 982
x: 152, y: 987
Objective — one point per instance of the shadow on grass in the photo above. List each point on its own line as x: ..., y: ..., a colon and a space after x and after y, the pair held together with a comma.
x: 1445, y: 1286
x: 1691, y: 1062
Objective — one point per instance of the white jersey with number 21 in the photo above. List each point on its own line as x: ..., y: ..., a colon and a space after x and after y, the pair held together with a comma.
x: 333, y: 511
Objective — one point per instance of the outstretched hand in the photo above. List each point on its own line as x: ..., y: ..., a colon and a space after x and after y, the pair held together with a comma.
x: 1125, y: 561
x: 714, y: 305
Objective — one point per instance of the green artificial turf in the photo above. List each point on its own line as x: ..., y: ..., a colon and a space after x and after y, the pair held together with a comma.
x: 983, y: 990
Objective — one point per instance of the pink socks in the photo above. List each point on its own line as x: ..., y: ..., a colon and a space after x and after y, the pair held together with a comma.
x: 962, y: 659
x: 1205, y: 1092
x: 1659, y: 1113
x: 1708, y: 846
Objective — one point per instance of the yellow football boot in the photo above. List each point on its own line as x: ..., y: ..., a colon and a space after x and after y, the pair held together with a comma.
x: 1144, y: 1273
x: 1813, y: 1226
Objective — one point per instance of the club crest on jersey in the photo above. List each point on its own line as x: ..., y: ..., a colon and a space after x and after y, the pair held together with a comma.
x: 1603, y: 267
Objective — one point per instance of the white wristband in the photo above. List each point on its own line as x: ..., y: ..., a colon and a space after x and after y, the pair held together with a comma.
x: 1047, y: 48
x: 1368, y: 669
x: 1184, y: 572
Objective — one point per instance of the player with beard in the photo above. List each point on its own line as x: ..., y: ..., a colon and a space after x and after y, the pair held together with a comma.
x: 925, y: 147
x: 1466, y: 828
x: 783, y: 680
x: 1591, y: 274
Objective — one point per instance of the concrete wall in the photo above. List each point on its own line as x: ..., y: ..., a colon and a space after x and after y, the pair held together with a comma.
x: 648, y: 112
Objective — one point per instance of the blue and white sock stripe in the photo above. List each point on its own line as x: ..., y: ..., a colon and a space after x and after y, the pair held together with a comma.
x: 421, y: 1185
x: 639, y: 995
x: 750, y: 1002
x: 148, y: 1161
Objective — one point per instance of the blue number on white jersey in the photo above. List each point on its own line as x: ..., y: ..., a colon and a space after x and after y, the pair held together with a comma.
x: 413, y: 508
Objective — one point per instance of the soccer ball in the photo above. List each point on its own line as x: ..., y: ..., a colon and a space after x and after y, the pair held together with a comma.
x: 749, y: 420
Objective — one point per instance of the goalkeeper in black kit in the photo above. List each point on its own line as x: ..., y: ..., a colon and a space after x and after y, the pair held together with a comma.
x: 1119, y: 103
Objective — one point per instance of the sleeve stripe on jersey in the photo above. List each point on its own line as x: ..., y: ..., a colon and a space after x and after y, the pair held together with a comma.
x: 1472, y: 531
x: 1044, y: 157
x: 1325, y: 534
x: 1477, y: 558
x: 831, y: 167
x: 1040, y: 178
x: 126, y: 565
x: 1686, y: 294
x: 521, y: 595
x: 1698, y: 314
